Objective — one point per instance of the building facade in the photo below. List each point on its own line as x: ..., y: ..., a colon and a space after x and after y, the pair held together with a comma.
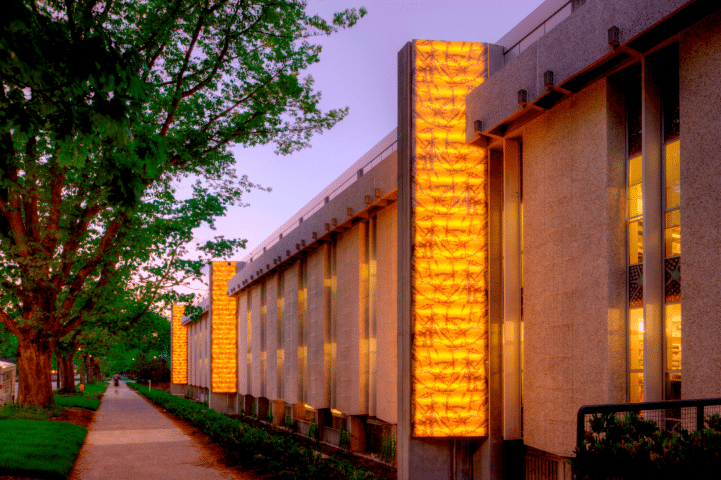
x: 510, y: 253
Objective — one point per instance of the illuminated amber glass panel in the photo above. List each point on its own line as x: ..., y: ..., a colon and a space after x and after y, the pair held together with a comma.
x: 179, y: 355
x: 673, y: 336
x: 224, y: 375
x: 636, y: 387
x: 673, y: 233
x: 634, y: 201
x: 450, y: 382
x: 635, y: 242
x: 635, y: 344
x: 673, y: 174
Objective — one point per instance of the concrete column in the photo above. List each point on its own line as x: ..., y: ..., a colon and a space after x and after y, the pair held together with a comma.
x: 653, y: 231
x: 372, y: 314
x: 405, y: 245
x: 488, y: 462
x: 511, y: 289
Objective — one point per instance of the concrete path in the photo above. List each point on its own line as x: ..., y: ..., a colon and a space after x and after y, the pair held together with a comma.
x: 129, y: 439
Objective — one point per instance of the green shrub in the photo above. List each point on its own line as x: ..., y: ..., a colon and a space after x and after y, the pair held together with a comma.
x: 344, y: 437
x: 635, y: 448
x: 76, y: 401
x: 313, y: 431
x: 15, y: 411
x: 388, y: 448
x: 247, y: 445
x: 29, y: 448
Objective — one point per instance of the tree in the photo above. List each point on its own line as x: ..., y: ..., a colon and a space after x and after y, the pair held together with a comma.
x: 105, y: 106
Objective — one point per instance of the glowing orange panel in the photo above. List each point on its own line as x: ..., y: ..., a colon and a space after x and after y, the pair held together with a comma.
x: 179, y: 354
x: 450, y: 215
x: 224, y: 330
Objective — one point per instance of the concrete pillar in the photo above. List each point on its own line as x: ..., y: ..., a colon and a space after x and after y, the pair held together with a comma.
x: 653, y: 233
x: 278, y: 412
x: 357, y: 433
x: 512, y: 289
x: 262, y: 410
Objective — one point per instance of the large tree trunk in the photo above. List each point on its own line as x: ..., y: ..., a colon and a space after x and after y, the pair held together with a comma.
x: 67, y: 375
x: 96, y: 365
x: 34, y: 366
x: 89, y: 369
x: 83, y: 371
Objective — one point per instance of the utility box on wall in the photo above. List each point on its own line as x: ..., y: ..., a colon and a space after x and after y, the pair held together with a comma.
x: 7, y: 383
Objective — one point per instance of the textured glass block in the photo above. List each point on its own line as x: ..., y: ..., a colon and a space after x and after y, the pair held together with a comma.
x: 635, y: 242
x: 673, y: 279
x: 634, y: 201
x: 635, y: 391
x: 673, y: 233
x: 673, y: 336
x: 673, y: 174
x: 635, y: 285
x: 635, y: 338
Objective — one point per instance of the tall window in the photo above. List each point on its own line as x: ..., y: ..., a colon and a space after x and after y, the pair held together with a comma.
x: 672, y: 240
x: 634, y: 218
x: 671, y: 243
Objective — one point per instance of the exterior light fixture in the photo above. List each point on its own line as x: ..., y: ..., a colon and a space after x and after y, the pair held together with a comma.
x: 548, y: 79
x: 614, y: 36
x: 522, y: 98
x: 478, y: 126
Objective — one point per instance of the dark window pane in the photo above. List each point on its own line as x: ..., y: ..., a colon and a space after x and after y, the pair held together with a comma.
x: 673, y: 279
x: 633, y: 105
x: 635, y: 285
x: 670, y: 105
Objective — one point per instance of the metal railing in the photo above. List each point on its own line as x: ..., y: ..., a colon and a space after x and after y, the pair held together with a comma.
x: 349, y: 177
x: 670, y: 415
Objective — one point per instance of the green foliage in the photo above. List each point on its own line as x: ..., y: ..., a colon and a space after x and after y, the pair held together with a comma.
x: 29, y: 448
x: 269, y: 415
x: 254, y: 447
x: 76, y: 401
x: 344, y: 437
x: 289, y: 424
x: 103, y: 112
x: 16, y: 411
x: 313, y: 430
x: 388, y: 448
x: 635, y: 448
x: 154, y: 369
x: 254, y: 410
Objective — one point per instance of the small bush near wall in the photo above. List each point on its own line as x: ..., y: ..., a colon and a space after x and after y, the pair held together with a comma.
x: 250, y: 446
x: 634, y: 448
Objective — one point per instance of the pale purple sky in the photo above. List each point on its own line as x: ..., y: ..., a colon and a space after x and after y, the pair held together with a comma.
x: 358, y: 69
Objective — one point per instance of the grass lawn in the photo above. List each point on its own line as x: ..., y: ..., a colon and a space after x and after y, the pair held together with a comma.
x: 76, y: 401
x: 17, y: 412
x: 29, y: 448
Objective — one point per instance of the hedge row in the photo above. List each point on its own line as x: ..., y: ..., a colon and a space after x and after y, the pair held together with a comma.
x: 635, y: 448
x: 255, y: 447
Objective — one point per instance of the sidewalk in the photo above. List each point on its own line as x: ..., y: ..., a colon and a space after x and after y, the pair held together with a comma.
x: 129, y: 439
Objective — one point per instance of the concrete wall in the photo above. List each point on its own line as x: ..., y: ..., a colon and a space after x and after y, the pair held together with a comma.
x: 290, y: 334
x: 387, y: 314
x: 305, y: 309
x: 700, y: 64
x: 574, y: 265
x: 349, y: 328
x: 243, y: 309
x: 271, y: 337
x: 255, y: 347
x: 318, y: 331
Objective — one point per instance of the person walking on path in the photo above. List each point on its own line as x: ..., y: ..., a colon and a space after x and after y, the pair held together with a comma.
x: 131, y: 439
x: 116, y: 379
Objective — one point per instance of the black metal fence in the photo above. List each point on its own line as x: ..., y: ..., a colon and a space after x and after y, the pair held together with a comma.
x: 671, y: 415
